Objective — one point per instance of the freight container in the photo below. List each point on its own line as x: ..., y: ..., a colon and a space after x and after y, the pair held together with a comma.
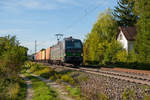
x: 38, y: 56
x: 43, y: 54
x: 48, y: 54
x: 57, y: 52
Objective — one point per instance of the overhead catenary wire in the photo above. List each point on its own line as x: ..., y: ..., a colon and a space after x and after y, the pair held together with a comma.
x: 79, y: 19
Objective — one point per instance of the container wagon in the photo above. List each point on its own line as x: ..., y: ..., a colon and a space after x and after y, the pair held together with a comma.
x: 48, y: 54
x: 38, y: 56
x: 43, y: 55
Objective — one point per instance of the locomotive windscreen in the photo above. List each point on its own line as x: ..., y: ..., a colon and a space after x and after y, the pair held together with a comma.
x: 73, y: 44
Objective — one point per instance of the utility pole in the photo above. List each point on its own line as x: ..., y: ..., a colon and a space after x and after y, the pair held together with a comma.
x: 59, y: 37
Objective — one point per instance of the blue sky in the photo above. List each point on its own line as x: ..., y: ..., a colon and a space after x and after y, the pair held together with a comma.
x: 40, y: 20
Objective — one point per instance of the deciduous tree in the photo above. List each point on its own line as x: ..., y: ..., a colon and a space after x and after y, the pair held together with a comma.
x: 142, y: 8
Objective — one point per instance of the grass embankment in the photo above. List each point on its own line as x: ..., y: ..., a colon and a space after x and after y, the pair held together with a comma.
x: 79, y: 84
x: 21, y: 95
x: 15, y: 91
x: 41, y: 90
x: 13, y: 88
x: 61, y: 77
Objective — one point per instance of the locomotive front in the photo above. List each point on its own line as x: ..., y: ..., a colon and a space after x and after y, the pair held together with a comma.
x: 73, y: 51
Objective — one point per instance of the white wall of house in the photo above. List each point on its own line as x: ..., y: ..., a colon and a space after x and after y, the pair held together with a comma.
x: 122, y: 39
x: 127, y: 45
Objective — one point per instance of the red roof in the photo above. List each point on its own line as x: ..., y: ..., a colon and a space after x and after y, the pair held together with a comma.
x: 129, y: 32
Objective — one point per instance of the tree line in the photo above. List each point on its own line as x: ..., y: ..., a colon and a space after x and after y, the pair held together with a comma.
x: 12, y: 57
x: 101, y: 46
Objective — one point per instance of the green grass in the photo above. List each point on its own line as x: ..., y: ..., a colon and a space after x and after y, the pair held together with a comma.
x: 49, y: 73
x: 41, y: 90
x: 103, y: 96
x: 68, y: 79
x: 75, y: 92
x: 22, y: 90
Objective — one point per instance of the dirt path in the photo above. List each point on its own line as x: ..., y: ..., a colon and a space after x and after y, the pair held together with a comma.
x: 63, y: 95
x: 29, y: 88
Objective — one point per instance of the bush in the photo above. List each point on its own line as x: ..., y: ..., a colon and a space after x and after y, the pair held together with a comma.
x: 42, y: 71
x: 132, y: 57
x: 12, y: 57
x: 113, y: 48
x: 68, y: 79
x: 121, y: 56
x: 13, y: 91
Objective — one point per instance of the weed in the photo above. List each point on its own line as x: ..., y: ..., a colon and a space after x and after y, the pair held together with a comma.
x: 73, y: 91
x: 146, y: 97
x: 68, y: 79
x: 128, y: 94
x: 42, y: 91
x: 22, y: 90
x: 103, y: 96
x: 13, y: 90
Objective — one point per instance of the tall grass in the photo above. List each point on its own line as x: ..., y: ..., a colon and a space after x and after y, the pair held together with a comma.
x: 42, y: 91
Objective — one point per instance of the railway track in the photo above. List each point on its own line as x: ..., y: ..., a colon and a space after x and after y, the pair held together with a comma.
x: 144, y: 80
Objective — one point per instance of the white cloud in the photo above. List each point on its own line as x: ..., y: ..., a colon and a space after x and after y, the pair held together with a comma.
x: 35, y: 4
x: 27, y: 4
x: 72, y: 2
x: 4, y: 32
x: 40, y: 45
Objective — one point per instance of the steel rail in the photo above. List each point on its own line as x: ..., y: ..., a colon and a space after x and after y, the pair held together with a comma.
x: 116, y: 75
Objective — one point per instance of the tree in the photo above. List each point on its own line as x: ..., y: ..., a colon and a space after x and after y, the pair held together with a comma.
x: 12, y: 57
x: 101, y: 38
x: 142, y: 8
x: 124, y: 13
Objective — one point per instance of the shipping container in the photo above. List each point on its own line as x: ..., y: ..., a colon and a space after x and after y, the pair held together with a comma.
x: 48, y: 54
x: 43, y: 54
x: 57, y: 52
x: 38, y: 56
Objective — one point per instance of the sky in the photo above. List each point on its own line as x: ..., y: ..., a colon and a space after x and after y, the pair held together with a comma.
x: 40, y: 20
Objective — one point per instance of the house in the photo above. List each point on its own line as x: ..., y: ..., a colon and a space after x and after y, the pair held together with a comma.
x: 126, y: 36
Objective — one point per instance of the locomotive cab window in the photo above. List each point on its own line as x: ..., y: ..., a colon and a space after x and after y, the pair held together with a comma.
x: 73, y: 44
x: 77, y: 44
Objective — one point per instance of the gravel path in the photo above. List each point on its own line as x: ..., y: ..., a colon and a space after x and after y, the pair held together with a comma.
x: 30, y: 92
x: 63, y: 95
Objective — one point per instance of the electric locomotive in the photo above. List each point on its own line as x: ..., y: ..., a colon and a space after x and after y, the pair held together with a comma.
x: 69, y: 50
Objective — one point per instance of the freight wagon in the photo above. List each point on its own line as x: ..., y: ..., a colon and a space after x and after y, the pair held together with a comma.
x: 69, y: 50
x: 43, y: 55
x: 48, y: 55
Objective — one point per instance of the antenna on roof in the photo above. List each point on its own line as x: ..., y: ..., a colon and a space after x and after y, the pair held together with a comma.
x: 59, y: 36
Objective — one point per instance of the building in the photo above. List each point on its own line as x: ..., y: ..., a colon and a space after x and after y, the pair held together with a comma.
x: 126, y: 36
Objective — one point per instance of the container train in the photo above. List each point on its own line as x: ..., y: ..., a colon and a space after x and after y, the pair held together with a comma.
x: 67, y: 51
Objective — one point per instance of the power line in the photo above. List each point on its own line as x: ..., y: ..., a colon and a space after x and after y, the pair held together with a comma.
x: 87, y: 12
